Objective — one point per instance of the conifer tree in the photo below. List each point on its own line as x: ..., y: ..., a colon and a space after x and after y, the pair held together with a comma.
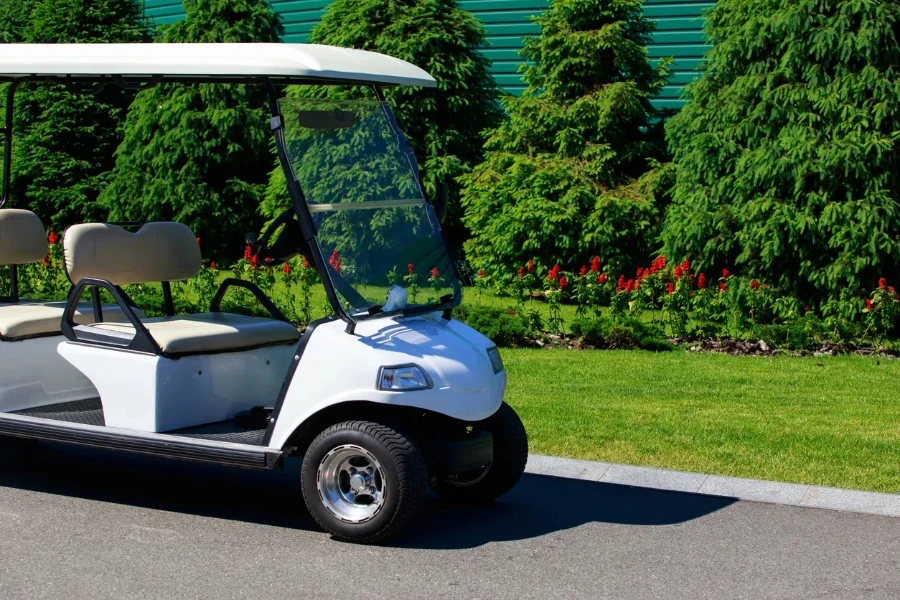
x: 787, y: 152
x: 65, y: 138
x: 199, y: 154
x: 562, y: 178
x: 444, y: 125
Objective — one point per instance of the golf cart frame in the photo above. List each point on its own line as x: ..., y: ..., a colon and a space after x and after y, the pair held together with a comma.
x: 448, y: 428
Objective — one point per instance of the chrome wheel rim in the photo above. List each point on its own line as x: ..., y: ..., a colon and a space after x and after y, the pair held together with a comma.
x: 351, y: 483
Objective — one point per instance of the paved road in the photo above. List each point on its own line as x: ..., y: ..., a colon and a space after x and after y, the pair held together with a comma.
x: 79, y: 523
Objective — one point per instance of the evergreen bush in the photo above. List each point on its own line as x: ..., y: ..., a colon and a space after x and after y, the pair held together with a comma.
x: 199, y: 154
x: 566, y: 177
x: 787, y: 151
x: 444, y: 125
x: 65, y: 138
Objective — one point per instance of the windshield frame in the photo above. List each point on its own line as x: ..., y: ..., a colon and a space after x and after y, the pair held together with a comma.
x: 302, y: 208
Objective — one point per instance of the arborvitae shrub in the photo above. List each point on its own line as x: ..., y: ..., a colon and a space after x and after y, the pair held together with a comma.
x: 787, y: 150
x: 562, y: 177
x: 199, y: 154
x: 444, y: 125
x: 65, y: 138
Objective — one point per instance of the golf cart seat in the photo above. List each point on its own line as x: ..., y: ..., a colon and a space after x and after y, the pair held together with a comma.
x: 109, y: 255
x: 23, y: 241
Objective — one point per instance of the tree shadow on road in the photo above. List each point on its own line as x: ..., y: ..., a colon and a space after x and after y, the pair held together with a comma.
x: 539, y: 504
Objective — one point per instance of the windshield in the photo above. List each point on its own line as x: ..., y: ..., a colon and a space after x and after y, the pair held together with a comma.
x: 379, y: 237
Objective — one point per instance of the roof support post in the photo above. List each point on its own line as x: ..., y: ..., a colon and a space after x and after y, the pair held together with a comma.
x: 7, y: 141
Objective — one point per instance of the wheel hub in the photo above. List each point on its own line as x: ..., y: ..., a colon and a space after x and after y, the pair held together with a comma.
x: 351, y: 483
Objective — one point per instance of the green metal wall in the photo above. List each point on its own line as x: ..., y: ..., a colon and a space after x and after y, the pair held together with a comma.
x: 679, y: 33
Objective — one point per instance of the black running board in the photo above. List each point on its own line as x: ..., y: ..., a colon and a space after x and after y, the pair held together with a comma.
x: 155, y: 444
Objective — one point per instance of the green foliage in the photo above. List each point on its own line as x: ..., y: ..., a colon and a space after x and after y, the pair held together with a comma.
x: 788, y: 164
x: 14, y: 16
x: 563, y: 176
x: 625, y: 334
x: 444, y: 125
x: 65, y: 140
x: 505, y: 327
x: 199, y: 154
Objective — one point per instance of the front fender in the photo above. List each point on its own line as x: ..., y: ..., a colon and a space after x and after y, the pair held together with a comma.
x: 337, y: 367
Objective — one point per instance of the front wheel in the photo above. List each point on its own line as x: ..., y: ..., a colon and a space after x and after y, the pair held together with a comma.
x: 363, y: 482
x: 506, y: 468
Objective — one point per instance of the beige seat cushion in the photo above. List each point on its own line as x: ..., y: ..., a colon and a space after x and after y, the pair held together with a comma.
x: 27, y: 318
x: 210, y: 332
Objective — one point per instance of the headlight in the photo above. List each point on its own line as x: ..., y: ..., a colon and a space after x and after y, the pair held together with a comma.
x: 496, y: 361
x: 403, y: 378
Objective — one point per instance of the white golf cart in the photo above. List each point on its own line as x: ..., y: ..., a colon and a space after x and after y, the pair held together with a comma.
x: 385, y: 398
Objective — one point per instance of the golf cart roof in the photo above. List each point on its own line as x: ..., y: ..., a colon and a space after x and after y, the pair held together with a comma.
x: 285, y: 63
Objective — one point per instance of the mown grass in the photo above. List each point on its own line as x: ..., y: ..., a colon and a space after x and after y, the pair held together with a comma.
x: 831, y: 421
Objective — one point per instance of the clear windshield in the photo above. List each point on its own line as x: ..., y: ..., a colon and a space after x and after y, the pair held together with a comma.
x: 381, y: 240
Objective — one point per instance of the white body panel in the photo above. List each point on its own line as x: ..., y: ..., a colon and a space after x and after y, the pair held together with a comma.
x: 33, y: 374
x: 307, y: 61
x: 337, y: 367
x: 150, y: 393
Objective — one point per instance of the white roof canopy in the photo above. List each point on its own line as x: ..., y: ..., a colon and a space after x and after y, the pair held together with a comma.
x: 310, y: 63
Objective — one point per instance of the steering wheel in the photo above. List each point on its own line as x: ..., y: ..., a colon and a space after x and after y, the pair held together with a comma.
x: 288, y: 243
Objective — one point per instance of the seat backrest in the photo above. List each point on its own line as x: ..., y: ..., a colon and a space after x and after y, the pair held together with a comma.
x: 22, y: 237
x: 162, y: 251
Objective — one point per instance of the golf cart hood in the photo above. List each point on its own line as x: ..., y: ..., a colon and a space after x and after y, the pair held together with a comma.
x: 454, y: 355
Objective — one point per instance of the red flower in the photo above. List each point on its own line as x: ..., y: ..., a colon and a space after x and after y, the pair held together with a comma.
x: 678, y: 272
x: 248, y: 252
x: 521, y: 272
x: 530, y: 265
x: 754, y: 284
x: 563, y: 282
x: 304, y: 263
x: 630, y: 285
x: 701, y: 281
x: 726, y: 273
x: 620, y: 284
x: 882, y: 282
x: 254, y: 262
x: 722, y: 286
x: 410, y: 268
x: 481, y: 273
x: 435, y: 273
x: 583, y: 271
x: 212, y: 265
x: 335, y: 261
x: 602, y: 279
x: 659, y: 264
x: 670, y: 287
x: 52, y: 238
x: 198, y: 241
x: 553, y: 274
x: 685, y: 266
x: 286, y: 268
x: 869, y: 304
x: 595, y: 264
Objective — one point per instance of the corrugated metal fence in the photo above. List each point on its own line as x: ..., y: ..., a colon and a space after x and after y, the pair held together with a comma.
x: 679, y: 33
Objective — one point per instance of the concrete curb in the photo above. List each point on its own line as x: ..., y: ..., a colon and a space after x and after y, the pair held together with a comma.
x: 755, y: 490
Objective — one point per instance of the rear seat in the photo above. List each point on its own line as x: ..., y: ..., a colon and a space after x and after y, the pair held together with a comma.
x: 27, y: 319
x: 160, y: 252
x: 22, y: 241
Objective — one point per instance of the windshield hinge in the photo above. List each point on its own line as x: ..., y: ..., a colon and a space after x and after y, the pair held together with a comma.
x: 276, y: 122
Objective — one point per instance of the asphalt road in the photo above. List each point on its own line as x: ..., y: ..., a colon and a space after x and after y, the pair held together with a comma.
x: 78, y: 523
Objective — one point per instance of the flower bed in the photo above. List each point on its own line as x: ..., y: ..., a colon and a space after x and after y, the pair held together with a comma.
x: 661, y: 305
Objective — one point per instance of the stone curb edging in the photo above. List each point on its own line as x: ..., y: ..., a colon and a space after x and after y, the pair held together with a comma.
x: 755, y: 490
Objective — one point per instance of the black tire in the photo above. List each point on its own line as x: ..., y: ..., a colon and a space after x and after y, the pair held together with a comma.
x: 510, y: 456
x: 405, y: 481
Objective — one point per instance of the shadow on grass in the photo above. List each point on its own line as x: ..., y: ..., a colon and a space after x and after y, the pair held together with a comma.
x: 539, y: 505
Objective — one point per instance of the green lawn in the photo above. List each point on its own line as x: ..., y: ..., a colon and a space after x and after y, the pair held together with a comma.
x: 824, y: 421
